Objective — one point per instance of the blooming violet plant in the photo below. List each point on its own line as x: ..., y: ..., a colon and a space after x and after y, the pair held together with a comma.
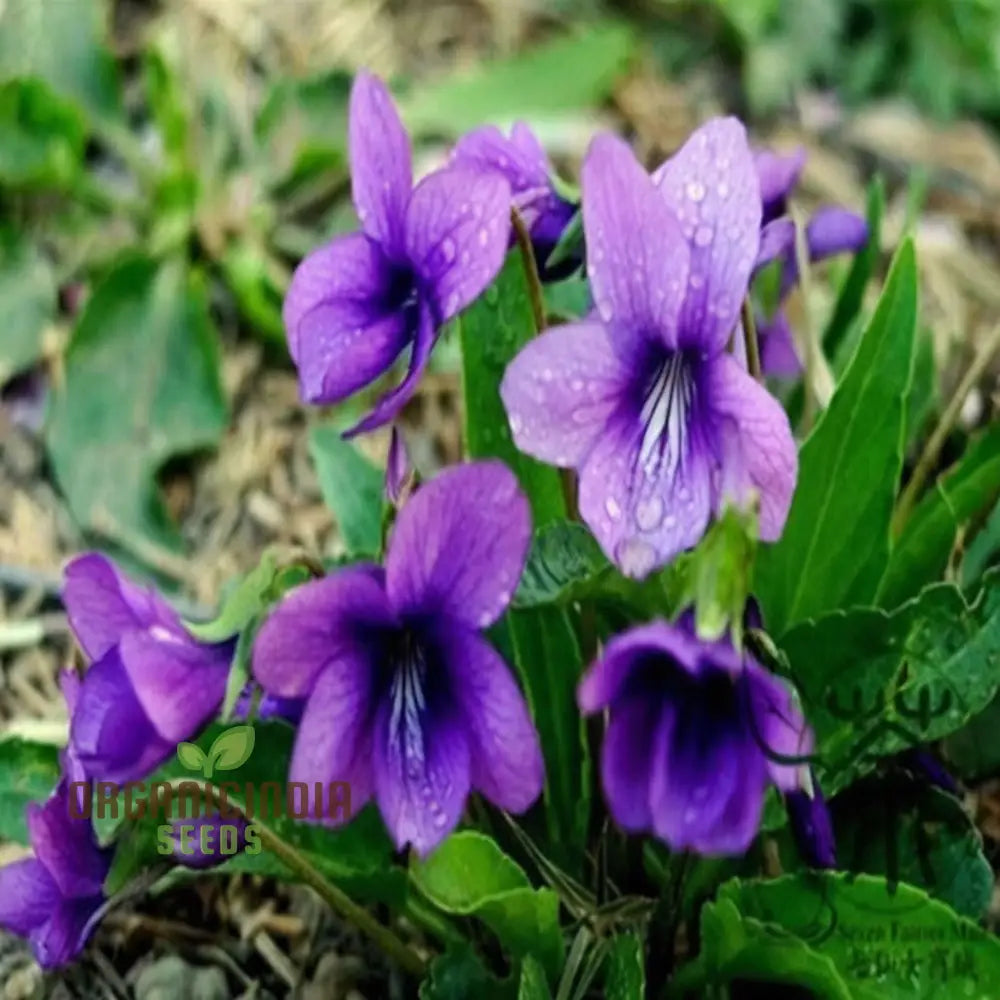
x: 548, y: 688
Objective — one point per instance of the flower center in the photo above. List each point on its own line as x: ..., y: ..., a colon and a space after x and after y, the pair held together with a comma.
x: 663, y: 417
x: 407, y: 698
x: 403, y: 294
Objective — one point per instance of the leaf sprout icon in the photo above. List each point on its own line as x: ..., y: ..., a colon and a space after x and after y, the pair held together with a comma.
x: 230, y: 750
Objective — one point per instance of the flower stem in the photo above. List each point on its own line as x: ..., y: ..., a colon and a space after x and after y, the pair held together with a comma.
x: 750, y: 339
x: 932, y: 450
x: 335, y: 898
x: 530, y: 269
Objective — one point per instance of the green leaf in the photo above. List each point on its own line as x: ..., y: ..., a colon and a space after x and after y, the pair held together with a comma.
x: 852, y: 292
x: 900, y: 827
x: 625, y: 978
x: 41, y: 136
x: 493, y: 330
x: 247, y: 600
x: 874, y: 683
x: 469, y: 875
x: 142, y: 385
x: 735, y: 948
x: 231, y: 749
x: 28, y: 773
x: 63, y: 43
x: 458, y: 974
x: 573, y: 73
x: 533, y: 985
x: 835, y: 545
x: 27, y: 302
x: 887, y: 943
x: 546, y: 653
x: 564, y: 559
x: 191, y: 756
x: 249, y: 277
x: 352, y: 488
x: 966, y: 491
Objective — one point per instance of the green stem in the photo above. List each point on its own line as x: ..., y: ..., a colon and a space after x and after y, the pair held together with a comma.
x: 750, y: 339
x: 335, y: 898
x: 932, y: 450
x: 530, y: 269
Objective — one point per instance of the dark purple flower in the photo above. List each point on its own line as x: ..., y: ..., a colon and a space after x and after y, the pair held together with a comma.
x: 398, y: 472
x: 925, y: 765
x: 663, y: 425
x: 206, y: 841
x: 695, y: 735
x: 423, y: 254
x: 778, y: 174
x: 406, y: 700
x: 522, y: 161
x: 150, y: 684
x: 809, y: 819
x: 829, y: 232
x: 54, y: 898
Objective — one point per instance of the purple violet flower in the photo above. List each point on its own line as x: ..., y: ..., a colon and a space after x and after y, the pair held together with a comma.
x: 423, y: 254
x: 778, y: 174
x: 150, y: 684
x: 695, y: 735
x: 406, y: 700
x: 811, y: 826
x: 269, y: 707
x: 663, y: 425
x: 830, y: 231
x: 55, y: 898
x: 521, y: 159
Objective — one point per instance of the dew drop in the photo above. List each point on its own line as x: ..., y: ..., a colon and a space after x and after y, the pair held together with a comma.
x: 604, y: 310
x: 614, y: 511
x: 448, y: 249
x: 649, y: 514
x: 696, y: 190
x: 703, y: 236
x: 576, y: 385
x: 484, y: 237
x: 696, y: 280
x: 690, y: 815
x: 723, y: 189
x: 515, y: 422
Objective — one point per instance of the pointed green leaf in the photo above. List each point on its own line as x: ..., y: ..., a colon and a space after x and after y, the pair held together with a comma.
x: 232, y: 748
x: 835, y: 544
x: 245, y: 601
x: 533, y: 985
x: 564, y: 560
x: 966, y: 491
x: 569, y: 74
x: 191, y: 756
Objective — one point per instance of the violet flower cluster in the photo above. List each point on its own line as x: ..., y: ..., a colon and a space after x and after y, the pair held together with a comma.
x: 385, y: 669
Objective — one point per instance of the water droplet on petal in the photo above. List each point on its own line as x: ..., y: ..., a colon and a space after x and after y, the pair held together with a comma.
x: 696, y: 190
x: 649, y: 514
x: 448, y: 249
x: 484, y: 237
x: 703, y: 236
x: 604, y: 310
x: 515, y: 422
x: 611, y: 506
